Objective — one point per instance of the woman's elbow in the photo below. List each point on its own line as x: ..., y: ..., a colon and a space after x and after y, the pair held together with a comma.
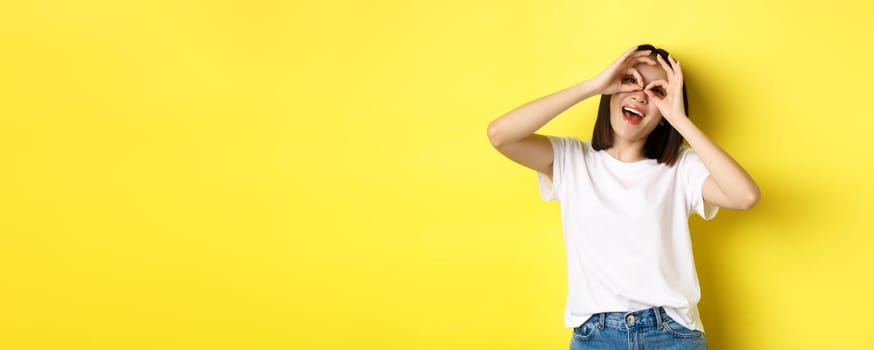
x: 750, y: 200
x: 494, y: 135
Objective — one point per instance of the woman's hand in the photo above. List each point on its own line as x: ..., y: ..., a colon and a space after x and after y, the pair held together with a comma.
x: 668, y: 95
x: 612, y: 79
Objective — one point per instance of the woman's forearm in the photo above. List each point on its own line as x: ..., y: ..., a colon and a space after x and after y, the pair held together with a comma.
x: 528, y: 118
x: 737, y: 185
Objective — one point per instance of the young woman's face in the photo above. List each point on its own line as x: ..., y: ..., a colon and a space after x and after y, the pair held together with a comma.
x: 632, y: 115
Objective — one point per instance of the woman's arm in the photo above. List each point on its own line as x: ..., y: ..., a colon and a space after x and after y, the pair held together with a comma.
x: 528, y: 118
x: 513, y: 134
x: 729, y: 185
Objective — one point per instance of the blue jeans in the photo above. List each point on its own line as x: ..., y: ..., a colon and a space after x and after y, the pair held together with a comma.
x: 639, y: 330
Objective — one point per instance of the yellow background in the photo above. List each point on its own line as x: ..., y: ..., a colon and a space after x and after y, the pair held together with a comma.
x: 316, y: 175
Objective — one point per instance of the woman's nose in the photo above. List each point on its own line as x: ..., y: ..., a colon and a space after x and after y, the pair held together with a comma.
x: 639, y: 96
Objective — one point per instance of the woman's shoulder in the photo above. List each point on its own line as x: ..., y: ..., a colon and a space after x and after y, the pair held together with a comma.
x: 687, y: 152
x: 570, y: 141
x: 687, y: 157
x: 574, y: 138
x: 571, y: 147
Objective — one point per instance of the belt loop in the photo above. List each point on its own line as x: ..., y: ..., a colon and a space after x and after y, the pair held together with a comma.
x: 658, y: 315
x: 602, y: 320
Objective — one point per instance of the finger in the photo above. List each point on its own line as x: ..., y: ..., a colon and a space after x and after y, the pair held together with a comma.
x: 658, y: 83
x: 665, y: 65
x: 630, y: 56
x: 644, y: 59
x: 623, y: 59
x: 651, y: 95
x: 654, y: 83
x: 637, y: 77
x: 625, y: 55
x: 677, y: 70
x: 628, y: 87
x: 629, y: 60
x: 643, y: 53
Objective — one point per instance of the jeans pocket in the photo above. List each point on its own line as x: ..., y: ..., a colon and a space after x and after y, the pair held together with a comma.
x: 676, y: 329
x: 586, y: 330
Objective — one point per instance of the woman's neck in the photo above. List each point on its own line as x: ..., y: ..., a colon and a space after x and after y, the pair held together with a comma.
x: 627, y: 152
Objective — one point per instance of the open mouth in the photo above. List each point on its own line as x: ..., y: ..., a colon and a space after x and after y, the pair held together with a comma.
x: 632, y: 116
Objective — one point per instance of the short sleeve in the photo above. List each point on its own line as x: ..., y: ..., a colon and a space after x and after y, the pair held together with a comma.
x: 563, y: 149
x: 693, y: 173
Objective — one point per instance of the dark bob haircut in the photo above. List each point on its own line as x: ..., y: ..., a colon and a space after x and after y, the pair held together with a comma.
x: 663, y: 143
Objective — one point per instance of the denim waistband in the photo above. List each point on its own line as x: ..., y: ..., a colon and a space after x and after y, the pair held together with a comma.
x: 655, y: 316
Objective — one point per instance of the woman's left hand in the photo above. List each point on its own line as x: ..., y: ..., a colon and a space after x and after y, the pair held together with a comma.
x: 668, y: 95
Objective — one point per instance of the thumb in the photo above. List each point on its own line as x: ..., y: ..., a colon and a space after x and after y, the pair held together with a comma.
x: 650, y: 94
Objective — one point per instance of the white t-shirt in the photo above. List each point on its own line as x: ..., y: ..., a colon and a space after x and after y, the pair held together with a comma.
x: 626, y: 230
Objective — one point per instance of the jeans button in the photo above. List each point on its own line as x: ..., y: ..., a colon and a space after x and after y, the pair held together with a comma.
x: 629, y: 319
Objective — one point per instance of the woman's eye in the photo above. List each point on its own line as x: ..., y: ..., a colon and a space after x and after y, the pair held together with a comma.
x: 659, y: 92
x: 629, y: 79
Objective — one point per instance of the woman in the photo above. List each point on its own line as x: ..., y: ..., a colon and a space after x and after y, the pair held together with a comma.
x: 626, y: 196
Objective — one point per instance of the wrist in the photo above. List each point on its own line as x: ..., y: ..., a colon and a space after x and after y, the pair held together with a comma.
x: 587, y: 89
x: 680, y: 122
x: 678, y: 116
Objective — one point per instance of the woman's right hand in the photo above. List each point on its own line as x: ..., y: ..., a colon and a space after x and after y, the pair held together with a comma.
x: 612, y: 79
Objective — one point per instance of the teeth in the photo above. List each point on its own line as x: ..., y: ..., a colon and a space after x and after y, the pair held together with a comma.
x: 632, y: 111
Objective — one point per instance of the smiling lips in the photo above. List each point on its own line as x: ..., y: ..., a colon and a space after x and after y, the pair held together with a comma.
x: 632, y: 115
